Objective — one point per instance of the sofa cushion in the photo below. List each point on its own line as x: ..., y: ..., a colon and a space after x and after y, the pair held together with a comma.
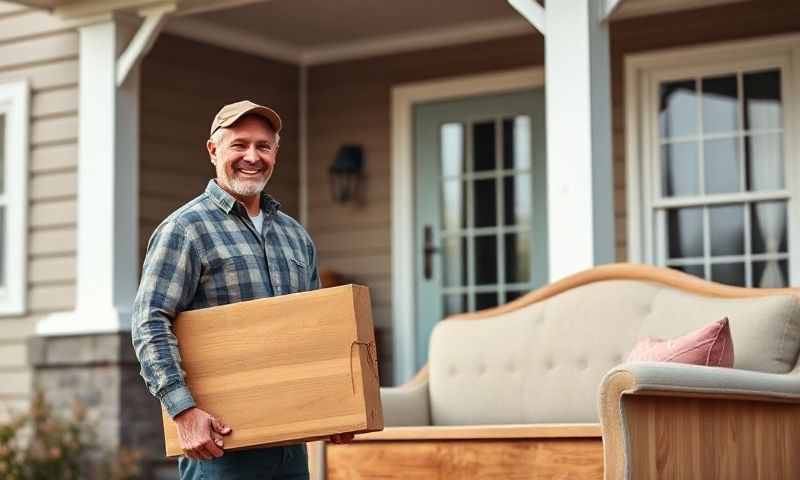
x: 544, y: 362
x: 708, y: 346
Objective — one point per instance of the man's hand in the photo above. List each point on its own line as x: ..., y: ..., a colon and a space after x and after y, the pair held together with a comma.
x: 342, y: 438
x: 201, y: 434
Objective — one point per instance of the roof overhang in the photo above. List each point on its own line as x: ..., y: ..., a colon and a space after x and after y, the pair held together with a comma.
x: 86, y: 8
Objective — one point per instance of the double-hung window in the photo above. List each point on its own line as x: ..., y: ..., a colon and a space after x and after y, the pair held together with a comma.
x: 713, y: 177
x: 14, y: 119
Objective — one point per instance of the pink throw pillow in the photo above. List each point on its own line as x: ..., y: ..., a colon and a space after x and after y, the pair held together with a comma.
x: 711, y: 346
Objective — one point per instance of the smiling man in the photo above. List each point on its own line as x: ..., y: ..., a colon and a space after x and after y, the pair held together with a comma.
x: 229, y: 244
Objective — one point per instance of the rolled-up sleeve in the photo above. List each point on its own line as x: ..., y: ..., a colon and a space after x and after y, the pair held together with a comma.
x: 170, y: 277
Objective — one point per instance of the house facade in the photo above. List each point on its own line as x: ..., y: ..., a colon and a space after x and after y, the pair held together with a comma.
x: 505, y: 145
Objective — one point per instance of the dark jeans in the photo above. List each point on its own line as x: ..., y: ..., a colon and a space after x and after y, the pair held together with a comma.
x: 276, y: 463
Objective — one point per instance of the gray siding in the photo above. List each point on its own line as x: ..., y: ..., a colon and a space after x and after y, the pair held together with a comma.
x: 44, y: 50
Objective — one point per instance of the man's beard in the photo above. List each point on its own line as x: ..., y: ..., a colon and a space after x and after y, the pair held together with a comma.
x: 246, y: 188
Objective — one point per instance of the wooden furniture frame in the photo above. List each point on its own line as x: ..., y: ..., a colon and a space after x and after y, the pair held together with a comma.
x: 661, y: 434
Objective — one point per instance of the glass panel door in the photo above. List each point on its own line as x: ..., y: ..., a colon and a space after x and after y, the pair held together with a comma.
x: 480, y: 172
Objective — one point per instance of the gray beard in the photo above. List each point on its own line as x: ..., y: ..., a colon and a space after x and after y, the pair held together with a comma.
x: 246, y: 188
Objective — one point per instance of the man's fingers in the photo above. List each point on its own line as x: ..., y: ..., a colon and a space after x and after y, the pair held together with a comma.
x: 220, y: 427
x: 217, y: 438
x: 212, y: 448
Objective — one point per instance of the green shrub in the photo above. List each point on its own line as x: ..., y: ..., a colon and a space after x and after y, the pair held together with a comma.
x: 42, y: 445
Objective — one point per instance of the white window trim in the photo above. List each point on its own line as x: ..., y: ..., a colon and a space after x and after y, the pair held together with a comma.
x: 14, y: 105
x: 641, y: 73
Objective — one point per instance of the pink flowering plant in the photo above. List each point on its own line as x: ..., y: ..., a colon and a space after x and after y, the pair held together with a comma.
x: 41, y: 445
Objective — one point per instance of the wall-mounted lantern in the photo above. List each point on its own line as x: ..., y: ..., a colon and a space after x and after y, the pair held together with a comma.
x: 346, y: 173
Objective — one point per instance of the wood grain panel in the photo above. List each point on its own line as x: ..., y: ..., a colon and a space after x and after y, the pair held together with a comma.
x: 689, y: 438
x: 316, y: 346
x: 533, y: 459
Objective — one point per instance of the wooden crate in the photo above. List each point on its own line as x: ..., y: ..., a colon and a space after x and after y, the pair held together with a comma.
x: 284, y: 369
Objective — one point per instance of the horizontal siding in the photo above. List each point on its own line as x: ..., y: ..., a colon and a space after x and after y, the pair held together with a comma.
x: 43, y: 50
x: 181, y: 92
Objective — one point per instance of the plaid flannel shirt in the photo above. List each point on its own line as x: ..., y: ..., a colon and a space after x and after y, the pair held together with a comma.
x: 209, y: 253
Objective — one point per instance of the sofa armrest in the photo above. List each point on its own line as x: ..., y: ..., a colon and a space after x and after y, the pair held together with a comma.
x: 705, y: 397
x: 408, y: 405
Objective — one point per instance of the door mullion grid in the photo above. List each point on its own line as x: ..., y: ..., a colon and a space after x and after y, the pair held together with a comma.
x: 701, y: 165
x: 470, y: 210
x: 748, y: 263
x: 500, y: 208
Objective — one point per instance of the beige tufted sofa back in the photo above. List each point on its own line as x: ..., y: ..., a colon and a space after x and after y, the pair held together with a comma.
x: 543, y: 363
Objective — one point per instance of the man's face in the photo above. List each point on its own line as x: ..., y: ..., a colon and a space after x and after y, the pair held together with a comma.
x: 245, y: 156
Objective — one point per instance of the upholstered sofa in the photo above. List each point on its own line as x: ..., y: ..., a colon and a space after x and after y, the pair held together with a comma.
x: 518, y: 391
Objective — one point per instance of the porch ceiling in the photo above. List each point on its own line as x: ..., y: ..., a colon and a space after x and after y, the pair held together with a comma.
x: 315, y: 23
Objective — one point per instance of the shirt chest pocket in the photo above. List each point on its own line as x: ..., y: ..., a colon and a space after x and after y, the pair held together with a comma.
x: 237, y: 278
x: 297, y: 273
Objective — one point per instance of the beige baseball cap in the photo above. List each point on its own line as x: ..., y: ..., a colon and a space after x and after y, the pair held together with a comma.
x: 229, y: 114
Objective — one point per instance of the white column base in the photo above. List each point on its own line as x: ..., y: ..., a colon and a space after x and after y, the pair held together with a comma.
x: 84, y: 322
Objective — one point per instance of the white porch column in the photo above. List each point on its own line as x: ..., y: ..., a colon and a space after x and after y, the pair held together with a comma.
x: 108, y: 185
x: 580, y: 190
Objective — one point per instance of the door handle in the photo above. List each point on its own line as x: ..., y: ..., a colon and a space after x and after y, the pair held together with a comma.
x: 429, y: 250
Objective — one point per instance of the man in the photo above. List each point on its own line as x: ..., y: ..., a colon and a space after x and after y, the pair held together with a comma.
x: 229, y: 244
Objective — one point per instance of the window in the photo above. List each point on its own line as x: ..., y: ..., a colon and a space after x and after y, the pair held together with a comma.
x: 14, y: 100
x: 717, y: 173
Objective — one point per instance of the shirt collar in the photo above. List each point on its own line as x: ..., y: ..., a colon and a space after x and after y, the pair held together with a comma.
x: 226, y: 202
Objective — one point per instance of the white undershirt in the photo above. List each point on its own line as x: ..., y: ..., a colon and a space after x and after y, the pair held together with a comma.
x: 257, y: 220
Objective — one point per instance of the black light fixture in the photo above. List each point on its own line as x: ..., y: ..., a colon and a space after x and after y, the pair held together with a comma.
x: 347, y: 173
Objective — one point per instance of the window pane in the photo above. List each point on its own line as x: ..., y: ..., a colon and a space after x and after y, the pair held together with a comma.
x: 764, y: 155
x: 513, y: 295
x: 720, y: 112
x: 728, y: 273
x: 678, y: 109
x: 771, y: 274
x: 680, y: 174
x: 452, y: 144
x: 762, y: 100
x: 454, y: 261
x: 485, y: 205
x: 483, y: 146
x: 685, y: 232
x: 486, y: 260
x: 517, y: 193
x: 721, y: 165
x: 726, y: 227
x: 517, y: 143
x: 696, y: 270
x: 454, y: 203
x: 518, y: 257
x: 485, y: 300
x: 768, y: 227
x: 454, y: 304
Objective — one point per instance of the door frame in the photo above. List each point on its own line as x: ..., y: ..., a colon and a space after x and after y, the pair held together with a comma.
x: 403, y: 99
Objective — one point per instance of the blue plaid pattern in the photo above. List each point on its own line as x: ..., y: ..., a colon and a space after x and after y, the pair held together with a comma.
x: 209, y: 253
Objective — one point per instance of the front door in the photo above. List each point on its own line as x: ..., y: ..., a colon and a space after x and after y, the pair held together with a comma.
x: 481, y: 192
